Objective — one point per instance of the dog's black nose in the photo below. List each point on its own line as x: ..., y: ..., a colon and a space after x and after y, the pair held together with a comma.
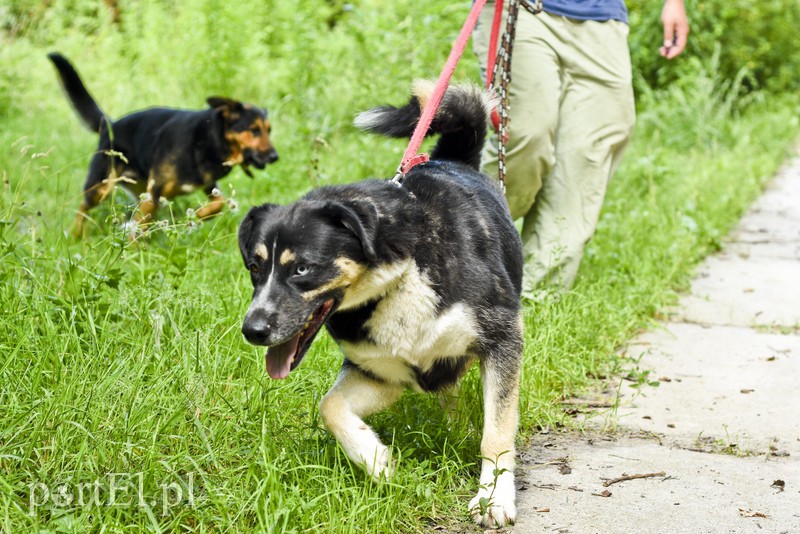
x: 256, y: 330
x: 272, y: 156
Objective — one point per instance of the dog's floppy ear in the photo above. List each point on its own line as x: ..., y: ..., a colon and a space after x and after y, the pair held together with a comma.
x: 248, y: 225
x: 227, y: 106
x: 361, y: 218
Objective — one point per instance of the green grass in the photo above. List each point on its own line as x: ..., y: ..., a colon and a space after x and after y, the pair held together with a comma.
x: 125, y: 359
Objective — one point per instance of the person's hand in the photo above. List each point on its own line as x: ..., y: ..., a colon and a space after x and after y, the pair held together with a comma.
x: 676, y: 28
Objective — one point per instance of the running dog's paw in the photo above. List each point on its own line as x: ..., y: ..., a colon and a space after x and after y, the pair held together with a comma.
x: 493, y: 509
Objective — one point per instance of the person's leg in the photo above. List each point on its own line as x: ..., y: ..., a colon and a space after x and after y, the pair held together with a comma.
x: 534, y: 97
x: 595, y: 122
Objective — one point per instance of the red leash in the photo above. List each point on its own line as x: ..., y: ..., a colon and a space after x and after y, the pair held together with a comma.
x: 490, y: 60
x: 411, y: 156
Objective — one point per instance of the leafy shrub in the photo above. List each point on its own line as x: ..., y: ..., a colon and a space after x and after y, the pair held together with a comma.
x: 759, y: 37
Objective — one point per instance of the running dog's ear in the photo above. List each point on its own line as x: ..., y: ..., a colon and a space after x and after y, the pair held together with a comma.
x: 361, y: 218
x: 224, y: 102
x: 249, y: 224
x: 229, y: 107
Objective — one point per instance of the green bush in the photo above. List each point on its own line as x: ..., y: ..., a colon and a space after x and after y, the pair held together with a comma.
x: 759, y: 37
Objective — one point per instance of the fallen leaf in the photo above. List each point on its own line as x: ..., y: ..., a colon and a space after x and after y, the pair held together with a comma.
x: 779, y: 485
x: 604, y: 493
x: 751, y: 513
x: 746, y: 391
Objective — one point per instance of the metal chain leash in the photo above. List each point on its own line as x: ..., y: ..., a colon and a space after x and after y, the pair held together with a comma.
x: 502, y: 65
x: 534, y: 9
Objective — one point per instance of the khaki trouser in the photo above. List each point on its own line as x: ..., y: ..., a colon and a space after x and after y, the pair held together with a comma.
x: 570, y: 118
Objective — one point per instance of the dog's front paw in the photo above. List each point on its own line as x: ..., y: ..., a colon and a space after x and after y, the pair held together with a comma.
x: 379, y: 464
x: 493, y: 509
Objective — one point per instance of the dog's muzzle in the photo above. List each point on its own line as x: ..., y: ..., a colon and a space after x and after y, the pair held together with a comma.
x: 260, y: 160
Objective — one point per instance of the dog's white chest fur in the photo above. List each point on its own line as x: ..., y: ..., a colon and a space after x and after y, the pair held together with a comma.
x: 406, y: 329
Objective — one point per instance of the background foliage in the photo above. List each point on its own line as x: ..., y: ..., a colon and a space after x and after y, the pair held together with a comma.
x: 127, y: 358
x: 757, y: 39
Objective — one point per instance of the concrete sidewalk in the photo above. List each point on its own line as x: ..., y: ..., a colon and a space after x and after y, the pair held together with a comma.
x: 722, y: 428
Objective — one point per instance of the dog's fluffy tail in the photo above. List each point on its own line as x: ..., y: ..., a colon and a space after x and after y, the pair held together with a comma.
x: 88, y: 110
x: 461, y: 120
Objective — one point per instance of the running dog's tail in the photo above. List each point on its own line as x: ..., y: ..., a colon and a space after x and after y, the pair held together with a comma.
x: 461, y: 119
x: 88, y: 110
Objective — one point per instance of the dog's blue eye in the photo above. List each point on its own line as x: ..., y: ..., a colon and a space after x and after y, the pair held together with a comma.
x: 302, y: 270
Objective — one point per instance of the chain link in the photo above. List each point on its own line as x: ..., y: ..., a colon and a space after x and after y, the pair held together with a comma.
x: 533, y: 9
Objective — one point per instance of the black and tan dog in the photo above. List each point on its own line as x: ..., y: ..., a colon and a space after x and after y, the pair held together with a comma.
x: 165, y: 152
x: 414, y: 282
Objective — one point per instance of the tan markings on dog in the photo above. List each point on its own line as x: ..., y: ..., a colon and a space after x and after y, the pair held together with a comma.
x: 165, y: 177
x: 238, y: 142
x: 146, y: 211
x: 374, y: 283
x: 148, y: 205
x: 99, y: 192
x: 236, y: 157
x: 105, y: 188
x: 349, y: 273
x: 353, y: 397
x: 501, y: 418
x: 214, y: 206
x: 262, y: 252
x: 500, y: 415
x: 91, y: 198
x: 287, y: 256
x: 423, y: 89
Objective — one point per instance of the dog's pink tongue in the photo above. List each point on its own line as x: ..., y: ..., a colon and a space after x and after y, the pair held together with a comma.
x: 279, y: 358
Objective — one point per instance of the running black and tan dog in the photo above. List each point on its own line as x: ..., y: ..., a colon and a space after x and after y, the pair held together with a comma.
x: 165, y: 152
x: 414, y: 282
